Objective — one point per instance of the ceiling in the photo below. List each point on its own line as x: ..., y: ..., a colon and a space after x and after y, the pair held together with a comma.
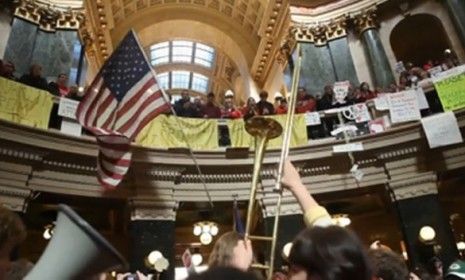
x: 311, y: 3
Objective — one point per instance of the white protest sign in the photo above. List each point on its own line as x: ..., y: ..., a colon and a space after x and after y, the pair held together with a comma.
x: 381, y: 102
x: 71, y: 127
x: 341, y: 89
x: 422, y: 101
x: 448, y: 73
x: 361, y: 112
x: 350, y: 147
x: 312, y: 118
x: 442, y: 130
x: 434, y: 72
x: 377, y: 126
x: 399, y: 67
x: 403, y: 106
x: 67, y: 108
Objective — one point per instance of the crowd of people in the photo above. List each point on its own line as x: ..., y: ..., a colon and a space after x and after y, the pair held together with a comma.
x: 34, y: 78
x: 322, y: 251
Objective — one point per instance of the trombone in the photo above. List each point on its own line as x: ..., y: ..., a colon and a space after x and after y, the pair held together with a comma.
x: 264, y: 129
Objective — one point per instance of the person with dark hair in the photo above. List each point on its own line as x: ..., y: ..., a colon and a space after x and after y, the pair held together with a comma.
x: 223, y: 273
x: 250, y: 108
x: 210, y: 110
x: 263, y: 106
x: 366, y: 93
x: 7, y: 70
x: 282, y: 108
x: 435, y: 268
x: 388, y: 265
x: 184, y: 107
x: 326, y: 101
x: 322, y: 251
x: 60, y: 86
x: 419, y: 273
x: 305, y: 102
x: 34, y: 78
x: 12, y: 233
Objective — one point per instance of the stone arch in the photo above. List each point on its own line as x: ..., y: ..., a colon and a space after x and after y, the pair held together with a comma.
x: 418, y: 38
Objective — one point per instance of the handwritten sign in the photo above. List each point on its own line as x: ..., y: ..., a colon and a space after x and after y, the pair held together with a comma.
x: 67, y: 108
x: 403, y: 106
x: 399, y: 67
x: 361, y: 112
x: 382, y: 102
x: 442, y: 130
x: 312, y: 118
x: 451, y: 91
x: 341, y: 89
x: 350, y: 147
x: 421, y: 98
x: 70, y: 127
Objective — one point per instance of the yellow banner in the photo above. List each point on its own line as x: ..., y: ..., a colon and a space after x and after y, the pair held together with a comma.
x: 165, y: 132
x: 24, y: 105
x: 240, y: 137
x: 451, y: 92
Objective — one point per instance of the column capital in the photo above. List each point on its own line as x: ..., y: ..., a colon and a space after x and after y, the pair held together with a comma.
x: 336, y: 28
x: 366, y: 20
x: 320, y: 33
x: 14, y: 198
x: 149, y: 209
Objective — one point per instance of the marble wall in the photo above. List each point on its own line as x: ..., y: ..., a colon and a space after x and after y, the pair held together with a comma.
x: 342, y: 60
x: 5, y: 29
x: 54, y: 51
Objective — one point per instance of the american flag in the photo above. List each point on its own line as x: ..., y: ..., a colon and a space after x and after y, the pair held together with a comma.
x: 122, y: 99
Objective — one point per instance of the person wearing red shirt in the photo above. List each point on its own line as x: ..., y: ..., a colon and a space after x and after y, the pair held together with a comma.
x: 281, y: 109
x: 250, y: 109
x: 229, y: 111
x: 366, y: 93
x: 60, y: 86
x: 305, y: 102
x: 210, y: 110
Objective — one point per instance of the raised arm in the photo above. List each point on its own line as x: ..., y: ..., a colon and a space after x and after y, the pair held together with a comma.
x: 314, y: 214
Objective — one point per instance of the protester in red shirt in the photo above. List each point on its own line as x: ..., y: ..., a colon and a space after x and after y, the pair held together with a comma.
x: 305, y: 102
x: 281, y: 109
x: 210, y: 110
x: 229, y: 111
x: 366, y: 93
x: 60, y: 86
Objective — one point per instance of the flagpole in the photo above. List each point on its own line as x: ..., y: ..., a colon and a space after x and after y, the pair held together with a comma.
x: 165, y: 96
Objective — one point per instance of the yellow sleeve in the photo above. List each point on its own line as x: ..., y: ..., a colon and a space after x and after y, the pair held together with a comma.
x: 317, y: 216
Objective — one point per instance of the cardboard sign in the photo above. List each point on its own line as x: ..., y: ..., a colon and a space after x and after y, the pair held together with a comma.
x: 312, y: 118
x: 67, y: 108
x: 349, y: 147
x: 403, y: 106
x: 341, y: 89
x: 442, y: 130
x: 381, y: 102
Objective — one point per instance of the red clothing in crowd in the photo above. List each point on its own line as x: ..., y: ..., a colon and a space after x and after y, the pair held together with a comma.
x: 211, y: 111
x: 231, y: 114
x: 281, y: 110
x: 63, y: 91
x: 367, y: 95
x: 304, y: 106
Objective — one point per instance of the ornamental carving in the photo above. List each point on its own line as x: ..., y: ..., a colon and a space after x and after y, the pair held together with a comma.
x: 336, y: 28
x: 366, y: 20
x: 320, y: 34
x: 49, y: 18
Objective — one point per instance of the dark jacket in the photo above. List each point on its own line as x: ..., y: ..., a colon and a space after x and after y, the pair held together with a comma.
x: 262, y: 105
x: 37, y: 82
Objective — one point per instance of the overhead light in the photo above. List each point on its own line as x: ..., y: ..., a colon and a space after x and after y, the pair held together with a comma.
x: 154, y: 256
x: 48, y: 232
x: 287, y: 250
x: 206, y: 230
x: 426, y: 234
x: 197, y: 259
x: 341, y: 220
x: 206, y: 238
x: 461, y: 246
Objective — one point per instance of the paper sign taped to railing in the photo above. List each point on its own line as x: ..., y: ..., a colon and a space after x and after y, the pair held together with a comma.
x: 71, y: 127
x: 442, y: 130
x: 361, y: 113
x: 312, y: 118
x: 435, y: 71
x: 422, y: 101
x: 349, y: 147
x: 67, y: 108
x: 381, y: 102
x: 403, y: 106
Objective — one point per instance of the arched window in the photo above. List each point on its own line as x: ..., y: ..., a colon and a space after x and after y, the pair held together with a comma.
x: 181, y: 51
x: 184, y: 80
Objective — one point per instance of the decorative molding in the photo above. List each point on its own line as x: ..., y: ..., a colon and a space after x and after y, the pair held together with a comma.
x: 49, y: 17
x: 146, y: 209
x: 366, y: 20
x: 14, y: 198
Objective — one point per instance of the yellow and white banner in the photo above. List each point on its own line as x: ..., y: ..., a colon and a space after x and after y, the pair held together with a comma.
x: 240, y: 137
x: 165, y: 132
x: 24, y: 105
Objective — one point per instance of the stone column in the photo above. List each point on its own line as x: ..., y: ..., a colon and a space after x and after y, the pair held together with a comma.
x: 379, y: 62
x: 152, y: 228
x: 456, y: 10
x: 416, y: 201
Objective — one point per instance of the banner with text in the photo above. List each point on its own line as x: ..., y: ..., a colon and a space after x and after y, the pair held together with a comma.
x: 240, y: 137
x: 165, y: 132
x: 24, y: 105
